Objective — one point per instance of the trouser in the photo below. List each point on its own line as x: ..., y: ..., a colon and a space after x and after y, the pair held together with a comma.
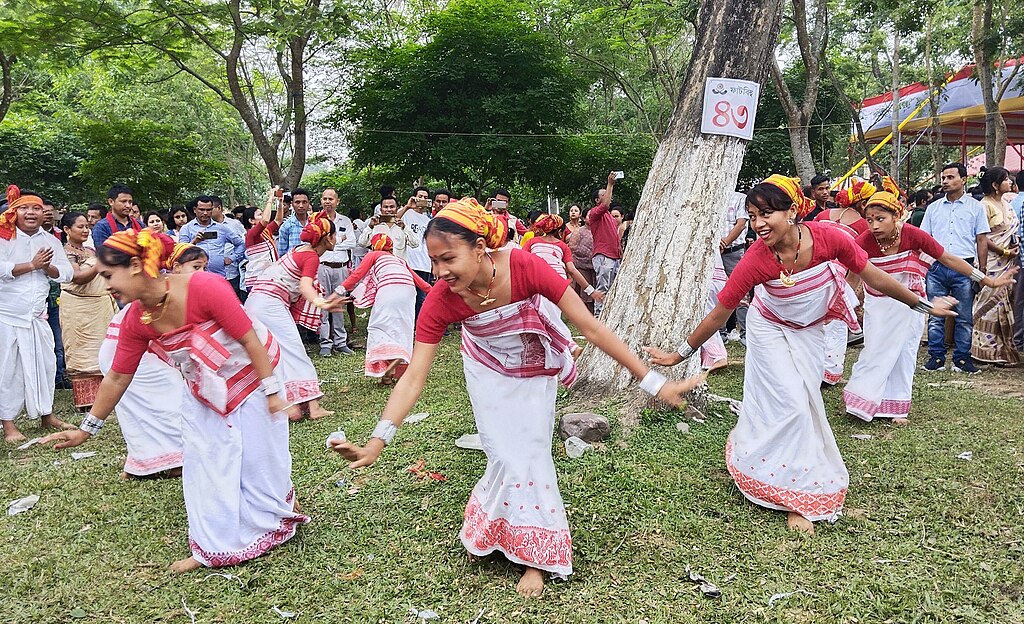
x: 236, y: 285
x: 730, y: 259
x: 428, y: 277
x: 606, y: 269
x: 1018, y: 307
x: 942, y: 282
x: 332, y: 326
x: 53, y: 318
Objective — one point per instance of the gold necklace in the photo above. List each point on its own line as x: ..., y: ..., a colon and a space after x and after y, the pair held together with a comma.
x: 786, y: 277
x: 895, y: 241
x: 147, y: 315
x: 487, y: 299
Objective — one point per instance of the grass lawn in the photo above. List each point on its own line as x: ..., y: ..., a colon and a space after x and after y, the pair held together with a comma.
x: 927, y: 537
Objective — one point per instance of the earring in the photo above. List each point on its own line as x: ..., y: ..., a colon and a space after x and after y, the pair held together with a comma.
x: 789, y: 221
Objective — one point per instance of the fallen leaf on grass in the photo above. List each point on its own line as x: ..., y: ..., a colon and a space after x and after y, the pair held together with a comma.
x: 862, y: 436
x: 352, y: 491
x: 683, y: 427
x: 353, y: 575
x: 425, y: 614
x: 284, y: 614
x: 82, y: 455
x: 784, y: 595
x: 709, y: 589
x: 78, y: 613
x: 419, y: 470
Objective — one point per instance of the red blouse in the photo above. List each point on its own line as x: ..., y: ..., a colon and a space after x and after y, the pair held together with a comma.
x: 530, y: 276
x: 210, y: 298
x: 254, y: 235
x: 759, y: 264
x: 911, y: 239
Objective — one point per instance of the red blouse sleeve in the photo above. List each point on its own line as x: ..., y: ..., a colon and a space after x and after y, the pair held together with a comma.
x: 566, y: 252
x: 252, y: 236
x: 211, y: 298
x: 308, y: 263
x: 841, y: 247
x: 757, y: 266
x: 274, y: 227
x: 360, y: 272
x: 132, y: 343
x: 916, y: 238
x: 532, y: 276
x: 867, y: 242
x: 440, y: 309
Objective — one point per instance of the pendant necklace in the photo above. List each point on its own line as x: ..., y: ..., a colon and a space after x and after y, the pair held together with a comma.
x: 487, y: 299
x: 895, y: 241
x: 147, y: 315
x: 786, y: 277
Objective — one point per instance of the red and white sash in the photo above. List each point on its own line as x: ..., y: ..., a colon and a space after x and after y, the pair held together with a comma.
x: 281, y: 279
x: 387, y: 270
x: 906, y: 267
x: 820, y: 295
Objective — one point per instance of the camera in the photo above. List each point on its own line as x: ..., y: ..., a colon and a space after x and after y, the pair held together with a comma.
x: 286, y: 195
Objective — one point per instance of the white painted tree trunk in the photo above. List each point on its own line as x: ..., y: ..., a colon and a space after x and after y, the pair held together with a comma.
x: 660, y: 293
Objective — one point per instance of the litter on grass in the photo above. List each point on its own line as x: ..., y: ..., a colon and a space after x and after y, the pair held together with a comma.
x: 191, y: 614
x: 476, y: 620
x: 338, y: 435
x: 419, y: 470
x: 862, y: 436
x: 683, y: 427
x: 709, y: 589
x: 284, y: 614
x: 22, y: 505
x: 230, y: 577
x: 784, y: 595
x: 424, y: 615
x: 77, y: 455
x: 966, y: 456
x: 734, y: 405
x: 575, y: 447
x: 29, y: 443
x: 470, y: 441
x: 417, y: 417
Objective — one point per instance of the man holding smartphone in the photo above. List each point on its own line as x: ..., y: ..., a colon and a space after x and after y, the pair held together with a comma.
x: 220, y: 242
x: 387, y: 222
x: 416, y: 213
x: 498, y: 204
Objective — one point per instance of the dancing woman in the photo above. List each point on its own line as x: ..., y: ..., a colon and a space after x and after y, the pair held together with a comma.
x: 883, y: 378
x: 385, y: 282
x: 513, y: 362
x: 260, y: 247
x: 286, y: 294
x: 782, y: 454
x: 236, y: 468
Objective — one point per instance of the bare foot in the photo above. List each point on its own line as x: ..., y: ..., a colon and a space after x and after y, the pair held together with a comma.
x: 173, y: 473
x: 577, y: 351
x: 125, y: 476
x: 316, y: 412
x: 902, y: 422
x: 796, y: 522
x: 720, y: 364
x: 52, y: 422
x: 296, y: 507
x: 531, y: 585
x: 473, y: 558
x: 295, y: 413
x: 185, y: 565
x: 11, y: 433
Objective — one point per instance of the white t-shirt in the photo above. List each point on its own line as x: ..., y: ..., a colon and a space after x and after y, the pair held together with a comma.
x: 417, y: 256
x: 735, y: 211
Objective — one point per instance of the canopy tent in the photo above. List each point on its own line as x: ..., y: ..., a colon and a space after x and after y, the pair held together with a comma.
x: 961, y: 110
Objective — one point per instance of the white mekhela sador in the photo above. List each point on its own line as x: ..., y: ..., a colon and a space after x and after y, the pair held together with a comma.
x: 149, y: 412
x: 883, y: 378
x: 513, y: 359
x: 237, y: 469
x: 836, y: 331
x: 553, y: 255
x: 782, y: 453
x: 385, y: 283
x: 28, y: 365
x: 713, y: 350
x: 275, y: 300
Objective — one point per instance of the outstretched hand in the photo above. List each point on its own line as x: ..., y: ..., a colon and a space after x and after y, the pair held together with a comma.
x: 943, y: 306
x: 672, y: 392
x: 1005, y: 280
x: 662, y: 358
x: 358, y: 456
x: 66, y: 439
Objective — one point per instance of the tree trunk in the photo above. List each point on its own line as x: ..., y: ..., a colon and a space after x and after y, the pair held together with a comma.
x: 935, y: 136
x: 984, y: 59
x: 7, y: 93
x: 662, y: 288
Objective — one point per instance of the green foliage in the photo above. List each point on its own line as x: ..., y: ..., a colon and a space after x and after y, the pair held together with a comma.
x: 473, y: 106
x: 40, y: 157
x: 160, y: 168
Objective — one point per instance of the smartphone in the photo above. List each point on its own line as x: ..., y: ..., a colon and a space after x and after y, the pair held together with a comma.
x: 619, y: 174
x: 287, y: 197
x: 422, y: 203
x: 499, y: 204
x: 210, y: 235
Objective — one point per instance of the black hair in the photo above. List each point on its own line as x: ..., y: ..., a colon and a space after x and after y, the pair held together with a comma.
x: 451, y: 228
x: 69, y: 219
x: 145, y: 217
x: 300, y: 191
x: 174, y: 211
x: 818, y: 179
x: 216, y: 200
x: 387, y: 191
x: 595, y: 195
x: 192, y: 253
x: 533, y: 215
x: 206, y: 199
x: 444, y: 192
x: 113, y: 257
x: 501, y: 191
x: 118, y: 189
x: 769, y: 198
x: 921, y: 197
x: 808, y: 190
x: 384, y: 199
x: 248, y: 215
x: 355, y: 213
x: 97, y: 206
x: 240, y: 209
x: 991, y: 178
x: 960, y: 168
x: 421, y: 188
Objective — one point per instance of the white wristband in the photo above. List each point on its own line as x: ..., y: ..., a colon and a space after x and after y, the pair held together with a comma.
x: 652, y: 383
x: 91, y: 424
x: 589, y: 290
x: 271, y: 385
x: 977, y: 276
x: 385, y: 431
x: 341, y: 291
x: 685, y: 350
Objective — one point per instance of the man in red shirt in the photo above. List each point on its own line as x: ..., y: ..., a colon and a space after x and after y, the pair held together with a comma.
x: 607, y: 247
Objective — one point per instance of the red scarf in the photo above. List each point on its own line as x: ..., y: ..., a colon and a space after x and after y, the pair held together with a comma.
x: 132, y: 223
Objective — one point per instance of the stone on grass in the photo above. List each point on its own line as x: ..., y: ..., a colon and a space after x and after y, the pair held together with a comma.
x: 586, y: 426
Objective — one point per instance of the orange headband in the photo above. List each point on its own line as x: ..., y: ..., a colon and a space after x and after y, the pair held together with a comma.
x: 179, y: 249
x: 468, y: 213
x: 152, y: 249
x: 381, y: 242
x: 791, y: 187
x: 318, y: 227
x: 889, y: 201
x: 9, y: 218
x: 548, y: 223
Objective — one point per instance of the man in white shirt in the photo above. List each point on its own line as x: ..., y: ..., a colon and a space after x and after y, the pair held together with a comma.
x: 335, y: 266
x: 388, y: 223
x: 29, y: 259
x: 416, y: 213
x: 732, y: 245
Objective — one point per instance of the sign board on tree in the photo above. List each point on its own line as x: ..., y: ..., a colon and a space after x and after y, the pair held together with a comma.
x: 729, y: 107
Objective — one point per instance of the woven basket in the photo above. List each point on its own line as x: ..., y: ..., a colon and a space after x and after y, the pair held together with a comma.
x: 83, y: 389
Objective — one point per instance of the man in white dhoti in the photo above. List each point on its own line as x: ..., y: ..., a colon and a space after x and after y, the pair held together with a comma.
x: 29, y: 258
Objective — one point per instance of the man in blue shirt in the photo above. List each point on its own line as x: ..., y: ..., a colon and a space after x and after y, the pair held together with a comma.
x: 119, y: 198
x: 958, y: 222
x: 291, y: 229
x: 1018, y: 290
x: 213, y: 237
